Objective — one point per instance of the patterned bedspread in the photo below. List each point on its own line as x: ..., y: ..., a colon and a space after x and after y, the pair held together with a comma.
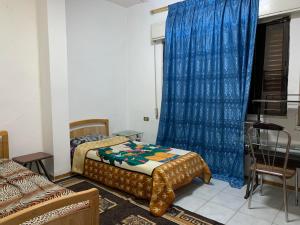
x: 20, y: 188
x: 136, y: 156
x: 178, y: 170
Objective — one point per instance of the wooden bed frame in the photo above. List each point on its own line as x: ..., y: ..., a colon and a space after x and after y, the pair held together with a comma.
x: 87, y: 127
x: 100, y: 127
x: 86, y: 216
x: 4, y: 151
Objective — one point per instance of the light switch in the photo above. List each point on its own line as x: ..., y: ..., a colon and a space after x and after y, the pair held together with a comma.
x: 146, y: 118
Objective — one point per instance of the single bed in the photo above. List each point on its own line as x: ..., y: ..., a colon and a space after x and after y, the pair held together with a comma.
x: 154, y: 177
x: 28, y: 198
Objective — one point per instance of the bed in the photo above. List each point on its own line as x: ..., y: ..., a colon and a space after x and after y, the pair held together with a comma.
x: 146, y: 171
x: 28, y: 198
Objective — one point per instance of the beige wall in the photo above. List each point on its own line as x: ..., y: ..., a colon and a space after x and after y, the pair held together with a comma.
x: 20, y: 108
x: 34, y: 81
x: 98, y: 61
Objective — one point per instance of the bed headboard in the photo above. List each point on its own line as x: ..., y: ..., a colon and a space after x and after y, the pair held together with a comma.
x: 4, y: 150
x: 91, y: 126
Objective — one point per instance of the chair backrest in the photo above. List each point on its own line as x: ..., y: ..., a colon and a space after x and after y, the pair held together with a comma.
x: 269, y: 144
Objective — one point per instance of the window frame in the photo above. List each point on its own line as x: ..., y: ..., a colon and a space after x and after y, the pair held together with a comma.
x: 259, y: 72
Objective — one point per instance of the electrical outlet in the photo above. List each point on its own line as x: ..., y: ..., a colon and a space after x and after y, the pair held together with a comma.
x: 146, y: 118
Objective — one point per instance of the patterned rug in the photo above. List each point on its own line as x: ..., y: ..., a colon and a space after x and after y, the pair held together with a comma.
x: 119, y: 208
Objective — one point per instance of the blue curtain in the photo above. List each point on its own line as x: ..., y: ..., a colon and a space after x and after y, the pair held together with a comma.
x: 208, y: 56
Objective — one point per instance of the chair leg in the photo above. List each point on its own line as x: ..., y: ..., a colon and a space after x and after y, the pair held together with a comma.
x: 248, y: 186
x: 251, y: 190
x: 261, y: 184
x: 285, y: 200
x: 296, y: 186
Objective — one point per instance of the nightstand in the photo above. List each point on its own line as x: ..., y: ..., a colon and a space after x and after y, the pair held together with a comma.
x: 131, y: 134
x: 27, y: 160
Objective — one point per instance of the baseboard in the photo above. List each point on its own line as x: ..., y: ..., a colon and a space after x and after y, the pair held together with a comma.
x: 276, y: 184
x: 273, y: 183
x: 63, y: 176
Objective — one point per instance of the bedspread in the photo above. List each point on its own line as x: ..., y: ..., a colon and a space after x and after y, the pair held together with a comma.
x: 158, y: 188
x: 136, y: 156
x: 20, y: 188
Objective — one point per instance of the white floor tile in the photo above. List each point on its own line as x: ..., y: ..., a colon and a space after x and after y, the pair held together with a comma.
x: 216, y: 212
x: 218, y: 184
x: 206, y: 192
x: 187, y: 190
x: 293, y: 213
x: 220, y: 202
x: 261, y: 210
x: 293, y: 216
x: 190, y: 203
x: 243, y: 219
x: 230, y: 201
x: 292, y: 198
x: 235, y: 191
x: 272, y: 196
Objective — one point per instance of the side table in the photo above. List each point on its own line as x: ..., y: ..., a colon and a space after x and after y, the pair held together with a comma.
x: 131, y: 134
x: 27, y: 160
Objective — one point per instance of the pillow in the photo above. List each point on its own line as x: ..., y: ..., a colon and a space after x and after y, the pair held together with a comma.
x: 88, y: 138
x: 74, y: 142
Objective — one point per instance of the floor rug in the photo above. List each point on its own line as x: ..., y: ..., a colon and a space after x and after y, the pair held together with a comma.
x: 119, y: 208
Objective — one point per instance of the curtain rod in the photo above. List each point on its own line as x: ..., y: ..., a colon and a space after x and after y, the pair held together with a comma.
x: 159, y: 10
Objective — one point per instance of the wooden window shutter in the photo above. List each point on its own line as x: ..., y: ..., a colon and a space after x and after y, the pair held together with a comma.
x: 275, y: 67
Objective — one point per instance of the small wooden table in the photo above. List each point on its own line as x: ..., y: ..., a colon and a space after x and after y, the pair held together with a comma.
x: 131, y: 134
x: 27, y: 160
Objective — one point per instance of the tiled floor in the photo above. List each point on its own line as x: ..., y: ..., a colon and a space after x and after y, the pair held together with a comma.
x: 227, y: 205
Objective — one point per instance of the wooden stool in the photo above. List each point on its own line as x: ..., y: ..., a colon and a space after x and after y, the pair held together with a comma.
x: 34, y: 158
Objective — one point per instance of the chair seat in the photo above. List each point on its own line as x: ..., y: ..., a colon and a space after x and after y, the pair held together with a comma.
x: 272, y: 170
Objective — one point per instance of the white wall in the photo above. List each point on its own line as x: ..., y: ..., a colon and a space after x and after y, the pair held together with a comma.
x: 45, y: 81
x: 33, y: 61
x: 54, y: 83
x: 141, y: 79
x: 20, y: 112
x: 294, y: 65
x: 98, y: 61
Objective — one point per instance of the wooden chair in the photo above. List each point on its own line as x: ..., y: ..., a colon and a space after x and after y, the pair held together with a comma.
x: 266, y: 142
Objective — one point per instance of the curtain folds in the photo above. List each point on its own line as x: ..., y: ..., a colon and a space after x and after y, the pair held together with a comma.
x: 208, y: 56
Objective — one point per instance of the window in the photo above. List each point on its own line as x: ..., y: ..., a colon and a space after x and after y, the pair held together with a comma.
x: 270, y: 68
x: 158, y: 64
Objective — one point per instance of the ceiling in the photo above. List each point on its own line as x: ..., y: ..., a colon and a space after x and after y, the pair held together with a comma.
x: 127, y: 3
